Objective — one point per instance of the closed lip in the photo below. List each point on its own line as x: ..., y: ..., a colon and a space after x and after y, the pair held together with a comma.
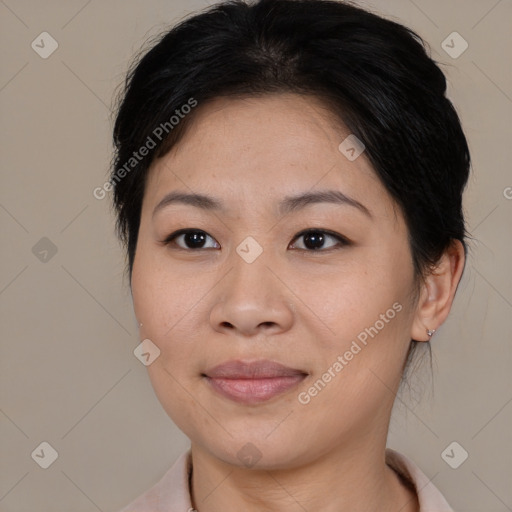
x: 261, y: 369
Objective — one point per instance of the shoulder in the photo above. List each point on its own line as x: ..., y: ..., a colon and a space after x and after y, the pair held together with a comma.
x: 429, y: 497
x: 170, y: 493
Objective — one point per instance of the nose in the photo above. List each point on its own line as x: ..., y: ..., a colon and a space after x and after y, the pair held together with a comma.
x: 252, y: 299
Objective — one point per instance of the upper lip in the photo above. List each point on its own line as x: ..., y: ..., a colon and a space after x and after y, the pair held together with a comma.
x: 261, y: 369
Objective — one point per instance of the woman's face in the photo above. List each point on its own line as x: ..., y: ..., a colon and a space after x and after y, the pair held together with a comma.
x: 248, y: 286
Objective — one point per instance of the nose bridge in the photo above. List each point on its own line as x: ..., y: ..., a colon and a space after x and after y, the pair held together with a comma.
x: 251, y: 297
x: 250, y: 277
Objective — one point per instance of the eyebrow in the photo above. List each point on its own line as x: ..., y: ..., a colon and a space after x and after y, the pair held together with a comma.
x: 288, y: 205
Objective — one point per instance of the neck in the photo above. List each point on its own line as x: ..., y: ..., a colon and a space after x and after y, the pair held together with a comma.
x: 353, y: 477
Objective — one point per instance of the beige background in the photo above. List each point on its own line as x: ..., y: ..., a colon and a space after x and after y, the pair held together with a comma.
x: 68, y: 374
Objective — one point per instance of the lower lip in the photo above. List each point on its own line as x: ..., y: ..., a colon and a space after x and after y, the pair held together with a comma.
x: 253, y: 391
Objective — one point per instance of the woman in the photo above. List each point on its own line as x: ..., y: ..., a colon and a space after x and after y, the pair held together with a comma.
x: 288, y: 184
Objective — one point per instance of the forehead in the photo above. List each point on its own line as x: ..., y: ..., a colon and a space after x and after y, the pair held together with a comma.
x: 263, y: 149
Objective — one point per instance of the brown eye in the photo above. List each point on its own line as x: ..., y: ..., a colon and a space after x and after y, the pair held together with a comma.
x: 192, y: 239
x: 315, y: 239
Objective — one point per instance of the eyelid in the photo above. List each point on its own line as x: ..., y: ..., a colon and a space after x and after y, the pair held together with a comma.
x: 170, y: 238
x: 343, y: 241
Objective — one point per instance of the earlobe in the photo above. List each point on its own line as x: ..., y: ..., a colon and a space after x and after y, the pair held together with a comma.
x: 438, y: 291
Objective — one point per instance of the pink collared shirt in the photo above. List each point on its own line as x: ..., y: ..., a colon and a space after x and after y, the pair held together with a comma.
x: 172, y: 494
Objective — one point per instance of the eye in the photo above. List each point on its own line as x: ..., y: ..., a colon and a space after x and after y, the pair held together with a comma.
x: 192, y: 238
x: 314, y: 239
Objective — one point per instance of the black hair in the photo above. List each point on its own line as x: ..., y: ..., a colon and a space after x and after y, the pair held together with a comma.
x: 374, y: 74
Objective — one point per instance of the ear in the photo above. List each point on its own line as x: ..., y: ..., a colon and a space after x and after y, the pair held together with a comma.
x: 438, y: 291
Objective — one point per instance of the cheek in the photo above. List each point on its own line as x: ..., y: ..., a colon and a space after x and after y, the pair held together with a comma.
x: 169, y: 305
x: 356, y: 295
x: 366, y: 311
x: 162, y: 304
x: 160, y: 298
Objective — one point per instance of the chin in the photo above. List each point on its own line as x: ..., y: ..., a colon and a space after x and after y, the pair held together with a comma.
x: 255, y: 452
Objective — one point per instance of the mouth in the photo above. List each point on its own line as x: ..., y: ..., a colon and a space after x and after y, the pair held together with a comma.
x: 254, y: 382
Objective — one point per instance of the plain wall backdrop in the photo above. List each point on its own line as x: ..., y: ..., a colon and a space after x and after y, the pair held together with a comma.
x: 68, y: 375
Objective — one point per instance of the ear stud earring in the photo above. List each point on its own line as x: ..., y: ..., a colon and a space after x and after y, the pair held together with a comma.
x: 430, y: 332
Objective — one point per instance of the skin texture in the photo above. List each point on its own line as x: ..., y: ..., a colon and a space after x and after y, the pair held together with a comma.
x: 300, y: 307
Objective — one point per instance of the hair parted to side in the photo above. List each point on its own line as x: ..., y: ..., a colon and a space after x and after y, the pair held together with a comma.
x: 372, y: 73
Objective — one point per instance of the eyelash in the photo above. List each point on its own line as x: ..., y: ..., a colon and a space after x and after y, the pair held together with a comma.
x: 343, y: 241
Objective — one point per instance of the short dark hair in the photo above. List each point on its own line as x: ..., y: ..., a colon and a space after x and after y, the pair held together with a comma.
x: 374, y: 74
